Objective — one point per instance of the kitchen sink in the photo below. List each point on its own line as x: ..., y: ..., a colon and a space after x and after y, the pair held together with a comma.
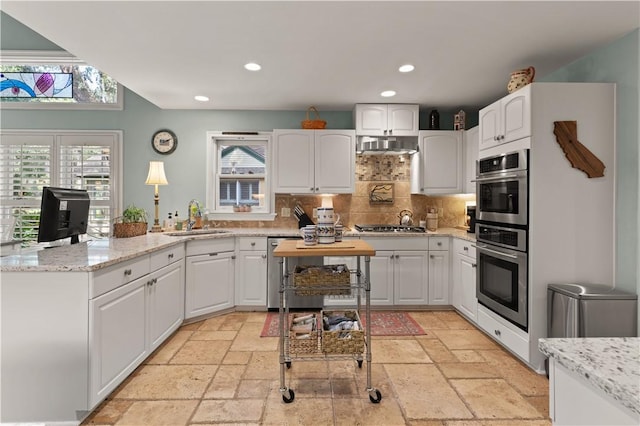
x: 196, y: 232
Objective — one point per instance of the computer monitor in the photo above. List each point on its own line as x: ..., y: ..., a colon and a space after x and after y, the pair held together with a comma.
x: 64, y: 212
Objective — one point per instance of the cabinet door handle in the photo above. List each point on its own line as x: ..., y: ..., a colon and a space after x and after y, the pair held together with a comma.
x: 127, y: 272
x: 233, y: 257
x: 431, y: 256
x: 465, y: 248
x: 497, y: 332
x: 439, y: 243
x: 264, y: 256
x: 170, y: 255
x: 253, y: 243
x: 473, y: 265
x: 213, y: 254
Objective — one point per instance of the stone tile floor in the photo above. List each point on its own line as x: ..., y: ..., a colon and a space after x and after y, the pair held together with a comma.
x: 220, y: 371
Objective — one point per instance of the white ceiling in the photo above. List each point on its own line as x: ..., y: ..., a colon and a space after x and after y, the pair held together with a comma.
x: 331, y: 54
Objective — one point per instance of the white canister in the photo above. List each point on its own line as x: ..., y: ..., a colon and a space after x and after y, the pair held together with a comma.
x: 309, y: 235
x: 325, y: 215
x: 338, y: 232
x: 326, y: 233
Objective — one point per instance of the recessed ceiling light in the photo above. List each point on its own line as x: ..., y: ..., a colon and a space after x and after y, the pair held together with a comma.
x: 388, y: 93
x: 201, y: 98
x: 252, y: 66
x: 406, y: 68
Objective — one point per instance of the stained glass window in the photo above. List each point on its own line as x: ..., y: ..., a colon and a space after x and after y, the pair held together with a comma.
x: 36, y: 84
x: 55, y: 80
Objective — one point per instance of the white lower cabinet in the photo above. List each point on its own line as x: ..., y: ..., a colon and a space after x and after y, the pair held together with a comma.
x: 118, y: 330
x: 130, y: 322
x: 410, y: 276
x: 463, y: 279
x: 166, y: 303
x: 382, y: 278
x: 513, y: 338
x: 439, y: 271
x: 251, y: 272
x: 399, y: 271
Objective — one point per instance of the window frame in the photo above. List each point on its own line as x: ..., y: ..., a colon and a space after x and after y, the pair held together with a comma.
x: 214, y: 210
x: 48, y: 57
x: 56, y: 140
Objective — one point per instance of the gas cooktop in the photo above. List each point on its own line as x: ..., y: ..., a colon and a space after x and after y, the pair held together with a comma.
x: 389, y: 228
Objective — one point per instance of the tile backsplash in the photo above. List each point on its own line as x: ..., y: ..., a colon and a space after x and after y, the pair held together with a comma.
x: 356, y: 208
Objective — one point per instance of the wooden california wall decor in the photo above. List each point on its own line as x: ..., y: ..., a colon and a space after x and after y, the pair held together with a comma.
x: 578, y: 155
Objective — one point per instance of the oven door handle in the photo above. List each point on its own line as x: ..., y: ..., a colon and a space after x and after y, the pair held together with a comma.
x: 494, y: 178
x: 499, y: 253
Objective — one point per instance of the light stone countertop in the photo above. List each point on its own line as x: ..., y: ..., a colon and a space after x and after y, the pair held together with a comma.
x: 97, y: 254
x: 611, y: 364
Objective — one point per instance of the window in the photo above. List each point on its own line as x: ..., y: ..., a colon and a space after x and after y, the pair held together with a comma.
x: 54, y: 80
x: 87, y: 160
x: 238, y: 175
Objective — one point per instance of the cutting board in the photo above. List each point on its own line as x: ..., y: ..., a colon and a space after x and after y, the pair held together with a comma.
x: 338, y: 245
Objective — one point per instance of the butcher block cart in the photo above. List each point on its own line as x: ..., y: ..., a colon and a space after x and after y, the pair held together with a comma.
x: 351, y: 342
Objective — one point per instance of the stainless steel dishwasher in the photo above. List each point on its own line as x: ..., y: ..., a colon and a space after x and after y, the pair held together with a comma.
x: 273, y: 279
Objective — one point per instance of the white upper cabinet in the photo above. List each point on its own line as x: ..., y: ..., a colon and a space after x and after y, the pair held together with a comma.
x: 314, y: 161
x: 507, y: 119
x: 471, y: 151
x: 437, y: 167
x: 386, y: 119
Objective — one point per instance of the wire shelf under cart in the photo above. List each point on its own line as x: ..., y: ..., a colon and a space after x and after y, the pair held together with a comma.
x: 356, y: 345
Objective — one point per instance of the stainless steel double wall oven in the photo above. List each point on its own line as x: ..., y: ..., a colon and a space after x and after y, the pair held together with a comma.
x: 502, y: 185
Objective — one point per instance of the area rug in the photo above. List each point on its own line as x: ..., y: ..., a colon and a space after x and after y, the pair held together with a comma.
x: 383, y: 323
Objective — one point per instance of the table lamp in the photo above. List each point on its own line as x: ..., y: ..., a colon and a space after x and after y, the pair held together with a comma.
x: 156, y: 177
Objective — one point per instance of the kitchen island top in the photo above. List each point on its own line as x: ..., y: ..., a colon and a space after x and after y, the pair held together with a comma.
x: 611, y: 364
x: 293, y: 248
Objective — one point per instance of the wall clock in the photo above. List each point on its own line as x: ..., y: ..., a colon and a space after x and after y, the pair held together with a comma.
x: 164, y: 141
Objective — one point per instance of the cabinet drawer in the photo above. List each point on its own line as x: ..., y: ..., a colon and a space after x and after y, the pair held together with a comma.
x: 162, y: 258
x: 464, y: 247
x: 110, y: 278
x: 438, y: 243
x: 514, y: 339
x: 212, y: 245
x: 252, y: 243
x: 397, y: 243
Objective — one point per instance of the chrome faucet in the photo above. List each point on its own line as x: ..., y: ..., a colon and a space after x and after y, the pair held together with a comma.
x: 194, y: 211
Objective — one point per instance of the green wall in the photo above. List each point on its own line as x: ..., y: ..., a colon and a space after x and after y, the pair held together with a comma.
x: 619, y: 63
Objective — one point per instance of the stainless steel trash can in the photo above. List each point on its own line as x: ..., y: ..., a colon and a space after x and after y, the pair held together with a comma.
x: 590, y: 310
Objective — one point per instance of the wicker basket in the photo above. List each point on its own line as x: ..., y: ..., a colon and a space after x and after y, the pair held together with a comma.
x: 321, y: 280
x: 126, y: 230
x: 342, y: 341
x: 303, y: 342
x: 313, y: 124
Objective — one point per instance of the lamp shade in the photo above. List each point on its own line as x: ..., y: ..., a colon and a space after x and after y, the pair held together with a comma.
x: 156, y: 174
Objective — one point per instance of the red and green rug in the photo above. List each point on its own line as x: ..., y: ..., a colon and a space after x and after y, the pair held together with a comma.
x: 383, y: 323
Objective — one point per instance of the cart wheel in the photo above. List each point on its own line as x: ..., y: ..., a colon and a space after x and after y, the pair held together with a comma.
x: 377, y: 398
x: 359, y: 363
x: 288, y: 364
x: 288, y: 399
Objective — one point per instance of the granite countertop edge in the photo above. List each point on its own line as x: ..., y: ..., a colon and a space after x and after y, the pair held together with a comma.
x: 93, y: 255
x: 611, y: 364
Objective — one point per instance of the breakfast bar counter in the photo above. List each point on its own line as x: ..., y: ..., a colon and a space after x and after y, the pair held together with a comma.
x: 593, y: 380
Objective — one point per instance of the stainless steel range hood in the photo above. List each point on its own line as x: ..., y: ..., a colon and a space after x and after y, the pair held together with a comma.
x: 387, y: 145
